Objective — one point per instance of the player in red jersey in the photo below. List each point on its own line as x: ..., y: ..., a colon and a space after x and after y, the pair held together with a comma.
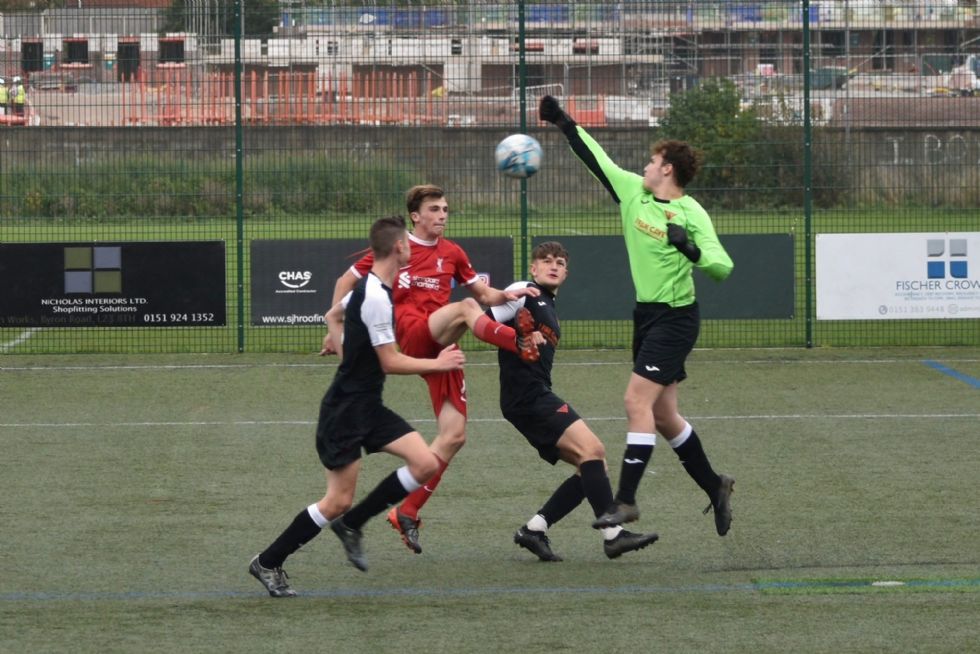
x: 426, y: 322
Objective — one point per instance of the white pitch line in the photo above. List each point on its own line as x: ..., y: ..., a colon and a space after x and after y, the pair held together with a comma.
x: 332, y: 363
x: 213, y: 366
x: 191, y: 366
x: 25, y: 336
x: 273, y: 423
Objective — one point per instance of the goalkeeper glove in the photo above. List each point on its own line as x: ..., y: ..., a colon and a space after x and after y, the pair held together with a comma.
x: 677, y: 236
x: 550, y: 111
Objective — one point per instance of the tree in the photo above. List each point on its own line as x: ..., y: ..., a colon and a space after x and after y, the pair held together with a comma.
x: 749, y: 162
x: 261, y: 16
x: 711, y: 118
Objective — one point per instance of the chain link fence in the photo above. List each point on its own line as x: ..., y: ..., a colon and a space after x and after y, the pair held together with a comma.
x: 192, y: 178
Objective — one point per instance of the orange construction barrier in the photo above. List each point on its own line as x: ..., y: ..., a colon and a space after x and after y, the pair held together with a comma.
x: 595, y: 117
x: 276, y: 97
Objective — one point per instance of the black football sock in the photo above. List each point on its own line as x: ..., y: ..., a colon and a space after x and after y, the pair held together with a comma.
x: 595, y: 483
x: 695, y: 461
x: 389, y: 491
x: 635, y: 460
x: 564, y: 500
x: 302, y: 530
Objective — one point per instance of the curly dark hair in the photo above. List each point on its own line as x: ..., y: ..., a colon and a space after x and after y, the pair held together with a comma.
x: 552, y: 248
x: 685, y: 159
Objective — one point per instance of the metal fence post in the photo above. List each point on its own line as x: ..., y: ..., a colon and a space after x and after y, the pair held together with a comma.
x: 239, y: 177
x: 522, y: 84
x: 807, y: 178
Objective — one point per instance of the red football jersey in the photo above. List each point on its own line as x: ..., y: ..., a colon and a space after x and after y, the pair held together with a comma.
x: 424, y: 285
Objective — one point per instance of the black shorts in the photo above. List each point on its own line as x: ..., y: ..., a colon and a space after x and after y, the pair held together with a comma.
x: 662, y: 338
x: 542, y: 422
x: 350, y: 423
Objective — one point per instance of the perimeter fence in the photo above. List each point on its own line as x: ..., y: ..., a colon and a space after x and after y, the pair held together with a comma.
x: 195, y: 177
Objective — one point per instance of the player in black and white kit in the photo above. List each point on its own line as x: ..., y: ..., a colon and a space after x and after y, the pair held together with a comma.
x: 548, y: 422
x: 353, y: 417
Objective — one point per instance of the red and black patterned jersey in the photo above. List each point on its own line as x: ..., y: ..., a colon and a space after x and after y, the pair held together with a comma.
x: 520, y: 382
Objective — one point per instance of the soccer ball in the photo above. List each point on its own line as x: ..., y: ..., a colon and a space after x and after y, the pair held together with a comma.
x: 518, y: 156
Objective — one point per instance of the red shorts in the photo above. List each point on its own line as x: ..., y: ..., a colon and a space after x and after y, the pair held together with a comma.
x: 415, y: 340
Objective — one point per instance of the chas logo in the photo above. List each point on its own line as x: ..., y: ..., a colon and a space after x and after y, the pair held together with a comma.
x: 295, y: 279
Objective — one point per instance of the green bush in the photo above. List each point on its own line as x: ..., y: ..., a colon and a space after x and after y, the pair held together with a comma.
x: 146, y: 186
x: 710, y: 117
x: 748, y: 163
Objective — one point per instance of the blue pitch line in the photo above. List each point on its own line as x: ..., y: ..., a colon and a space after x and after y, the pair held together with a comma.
x: 364, y: 592
x: 967, y: 379
x: 471, y: 592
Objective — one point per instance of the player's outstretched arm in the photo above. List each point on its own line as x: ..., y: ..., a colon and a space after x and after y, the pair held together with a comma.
x: 394, y: 362
x: 333, y: 340
x: 344, y: 285
x: 550, y: 111
x: 618, y: 182
x: 489, y: 296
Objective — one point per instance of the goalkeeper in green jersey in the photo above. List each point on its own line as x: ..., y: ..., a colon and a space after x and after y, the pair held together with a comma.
x: 667, y: 235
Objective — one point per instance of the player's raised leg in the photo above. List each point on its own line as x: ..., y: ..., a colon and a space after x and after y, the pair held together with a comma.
x: 689, y: 450
x: 449, y: 323
x: 421, y: 465
x: 451, y: 437
x: 641, y: 394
